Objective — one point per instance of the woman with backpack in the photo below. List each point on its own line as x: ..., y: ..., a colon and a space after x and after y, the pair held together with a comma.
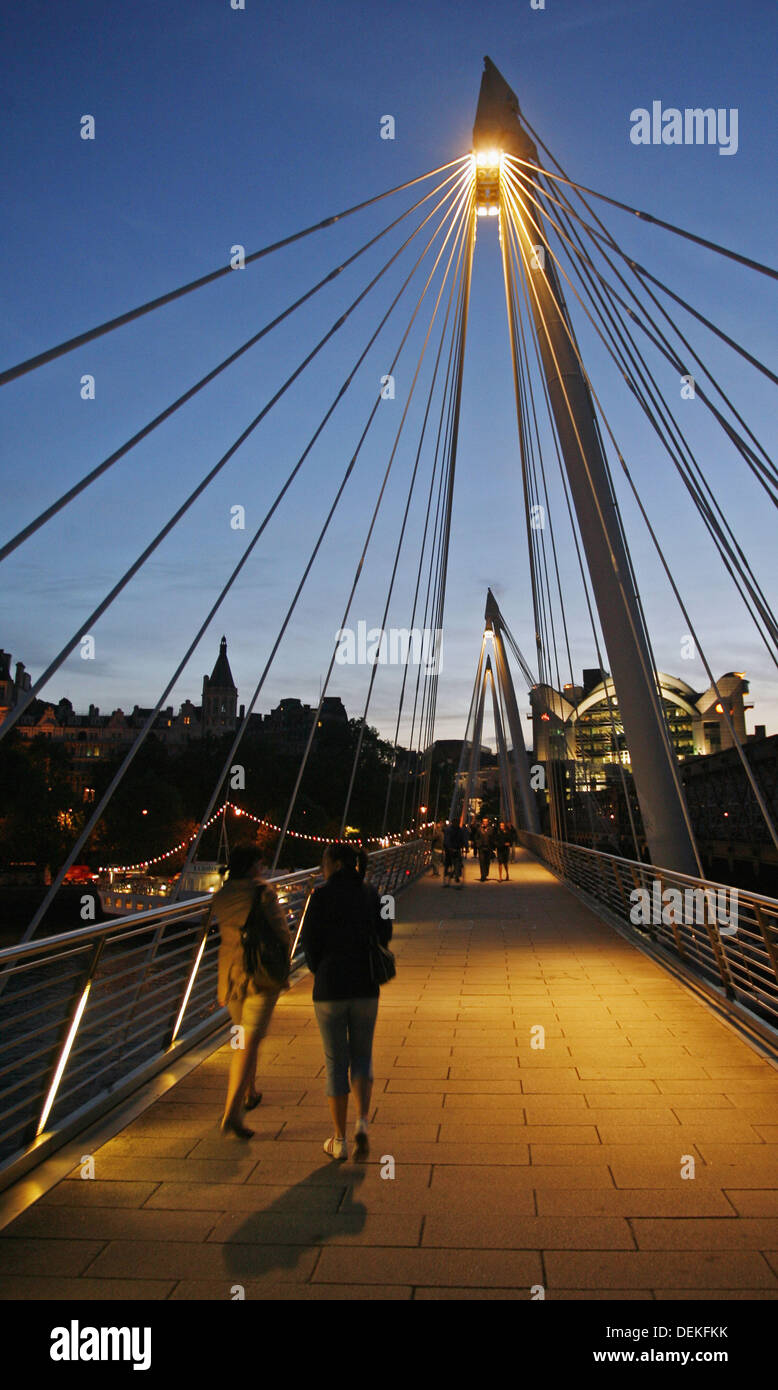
x: 247, y: 911
x: 342, y: 921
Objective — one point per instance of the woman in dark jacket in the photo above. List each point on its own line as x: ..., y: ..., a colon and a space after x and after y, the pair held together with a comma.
x: 343, y: 915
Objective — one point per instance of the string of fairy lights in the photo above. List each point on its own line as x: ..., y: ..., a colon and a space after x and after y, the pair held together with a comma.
x: 383, y: 841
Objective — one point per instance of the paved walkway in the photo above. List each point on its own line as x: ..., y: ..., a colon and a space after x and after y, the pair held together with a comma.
x: 515, y: 1166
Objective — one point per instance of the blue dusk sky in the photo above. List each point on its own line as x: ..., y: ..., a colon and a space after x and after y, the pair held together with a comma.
x: 216, y: 127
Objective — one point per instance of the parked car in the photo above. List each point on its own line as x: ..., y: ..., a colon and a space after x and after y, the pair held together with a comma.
x: 79, y: 873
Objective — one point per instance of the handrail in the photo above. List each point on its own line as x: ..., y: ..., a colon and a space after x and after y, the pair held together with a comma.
x: 735, y: 951
x: 147, y: 982
x: 526, y: 835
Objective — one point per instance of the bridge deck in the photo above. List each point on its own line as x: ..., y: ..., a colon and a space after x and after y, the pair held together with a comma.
x: 514, y: 1166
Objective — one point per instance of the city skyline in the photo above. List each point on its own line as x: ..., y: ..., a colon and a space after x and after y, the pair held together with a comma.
x: 174, y: 178
x: 569, y: 697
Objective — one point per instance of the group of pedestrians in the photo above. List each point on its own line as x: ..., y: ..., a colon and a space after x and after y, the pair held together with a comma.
x: 488, y: 840
x: 492, y: 840
x: 341, y: 927
x: 342, y: 921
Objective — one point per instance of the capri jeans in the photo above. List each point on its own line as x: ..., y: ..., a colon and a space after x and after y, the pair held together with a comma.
x: 346, y: 1027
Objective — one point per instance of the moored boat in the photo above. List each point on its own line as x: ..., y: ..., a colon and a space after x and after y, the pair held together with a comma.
x: 125, y: 891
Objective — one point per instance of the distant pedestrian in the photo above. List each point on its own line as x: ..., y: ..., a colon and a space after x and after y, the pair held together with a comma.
x: 249, y: 1001
x: 343, y: 916
x: 502, y: 844
x: 454, y: 845
x: 437, y: 849
x: 485, y: 844
x: 472, y: 835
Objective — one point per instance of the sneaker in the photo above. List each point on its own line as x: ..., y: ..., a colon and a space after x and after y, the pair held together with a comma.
x: 336, y: 1148
x: 361, y: 1145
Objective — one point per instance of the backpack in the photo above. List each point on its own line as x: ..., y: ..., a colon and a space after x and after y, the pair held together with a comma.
x: 265, y: 956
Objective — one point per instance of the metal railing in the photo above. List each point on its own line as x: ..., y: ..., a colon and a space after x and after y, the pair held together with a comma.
x: 726, y: 937
x: 88, y: 1016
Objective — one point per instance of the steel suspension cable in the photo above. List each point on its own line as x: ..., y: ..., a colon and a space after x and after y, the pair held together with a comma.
x: 437, y: 535
x: 401, y: 537
x: 537, y: 451
x: 11, y: 373
x: 210, y: 376
x: 640, y: 273
x: 433, y: 475
x: 444, y: 436
x: 724, y: 703
x: 647, y: 216
x: 433, y: 617
x: 750, y: 775
x: 137, y: 564
x: 527, y: 281
x: 579, y: 556
x: 650, y: 676
x: 290, y: 611
x: 99, y: 809
x: 344, y: 620
x: 707, y: 509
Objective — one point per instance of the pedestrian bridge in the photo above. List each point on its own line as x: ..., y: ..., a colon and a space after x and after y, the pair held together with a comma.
x: 557, y: 1113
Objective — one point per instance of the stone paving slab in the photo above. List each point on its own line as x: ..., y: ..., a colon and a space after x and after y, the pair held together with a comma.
x: 105, y: 1193
x: 107, y: 1223
x: 635, y: 1202
x: 473, y: 1268
x: 352, y: 1226
x: 202, y: 1290
x: 140, y: 1259
x: 45, y: 1287
x: 495, y: 1165
x: 649, y: 1270
x: 31, y: 1256
x: 756, y: 1202
x: 224, y: 1198
x: 524, y: 1294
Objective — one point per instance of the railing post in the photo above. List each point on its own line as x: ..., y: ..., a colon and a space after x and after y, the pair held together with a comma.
x: 770, y: 945
x: 620, y: 885
x: 721, y: 960
x: 139, y: 987
x: 192, y: 977
x: 679, y: 946
x: 70, y: 1036
x: 308, y: 896
x: 641, y: 887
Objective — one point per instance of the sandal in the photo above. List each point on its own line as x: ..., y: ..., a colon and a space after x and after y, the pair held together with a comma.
x: 236, y: 1128
x: 336, y: 1148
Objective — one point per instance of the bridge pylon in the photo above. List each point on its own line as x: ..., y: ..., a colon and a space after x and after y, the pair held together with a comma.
x: 666, y: 821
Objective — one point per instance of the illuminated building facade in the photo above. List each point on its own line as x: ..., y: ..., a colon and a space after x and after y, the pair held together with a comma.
x: 582, y: 723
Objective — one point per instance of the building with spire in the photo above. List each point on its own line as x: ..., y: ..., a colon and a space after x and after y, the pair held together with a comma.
x: 220, y: 696
x: 94, y: 737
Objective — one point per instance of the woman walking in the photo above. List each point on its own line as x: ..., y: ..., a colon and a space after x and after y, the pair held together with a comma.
x: 343, y: 917
x: 437, y: 848
x: 502, y: 843
x: 250, y: 1003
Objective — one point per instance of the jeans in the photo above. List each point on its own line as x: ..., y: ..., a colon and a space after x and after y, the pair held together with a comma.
x: 346, y: 1027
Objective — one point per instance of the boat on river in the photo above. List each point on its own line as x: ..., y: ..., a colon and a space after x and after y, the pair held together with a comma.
x: 125, y: 891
